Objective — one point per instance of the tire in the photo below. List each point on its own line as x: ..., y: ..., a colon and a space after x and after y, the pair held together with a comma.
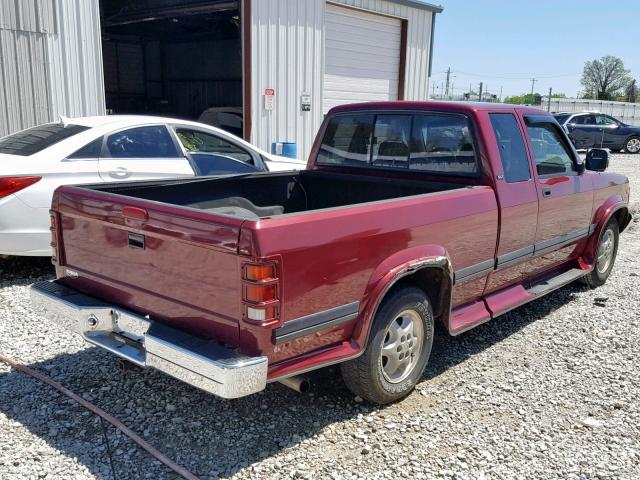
x: 632, y: 145
x: 373, y: 375
x: 602, y: 269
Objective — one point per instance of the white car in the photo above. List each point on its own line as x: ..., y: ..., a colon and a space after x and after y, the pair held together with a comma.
x: 34, y: 162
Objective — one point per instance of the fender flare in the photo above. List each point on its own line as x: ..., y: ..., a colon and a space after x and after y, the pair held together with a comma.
x: 393, y: 269
x: 603, y: 214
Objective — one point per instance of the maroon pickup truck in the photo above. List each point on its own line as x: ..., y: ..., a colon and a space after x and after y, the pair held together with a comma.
x: 408, y: 214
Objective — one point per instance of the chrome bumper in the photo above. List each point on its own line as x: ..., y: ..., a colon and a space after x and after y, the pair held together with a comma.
x: 201, y: 363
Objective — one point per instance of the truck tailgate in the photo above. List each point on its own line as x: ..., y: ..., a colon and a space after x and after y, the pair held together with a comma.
x: 177, y: 265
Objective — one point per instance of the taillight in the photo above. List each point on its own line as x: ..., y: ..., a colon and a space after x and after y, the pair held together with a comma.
x: 9, y: 185
x: 260, y: 292
x: 54, y: 236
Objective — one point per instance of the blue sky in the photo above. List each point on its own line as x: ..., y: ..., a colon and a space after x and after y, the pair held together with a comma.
x: 506, y: 43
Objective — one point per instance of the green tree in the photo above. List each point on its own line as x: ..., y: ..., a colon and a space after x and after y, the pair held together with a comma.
x: 605, y: 78
x: 524, y: 99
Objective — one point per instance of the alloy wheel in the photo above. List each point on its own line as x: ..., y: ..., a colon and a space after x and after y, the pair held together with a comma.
x: 401, y: 346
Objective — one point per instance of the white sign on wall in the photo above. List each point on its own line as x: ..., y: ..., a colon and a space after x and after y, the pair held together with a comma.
x: 269, y: 99
x: 305, y: 102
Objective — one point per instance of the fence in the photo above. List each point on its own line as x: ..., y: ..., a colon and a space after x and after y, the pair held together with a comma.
x: 625, y: 112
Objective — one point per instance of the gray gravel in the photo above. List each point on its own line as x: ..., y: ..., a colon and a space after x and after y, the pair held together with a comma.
x: 550, y: 390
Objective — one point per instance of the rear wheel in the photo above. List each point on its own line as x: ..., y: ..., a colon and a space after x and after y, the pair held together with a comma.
x: 605, y: 255
x: 398, y: 349
x: 632, y: 145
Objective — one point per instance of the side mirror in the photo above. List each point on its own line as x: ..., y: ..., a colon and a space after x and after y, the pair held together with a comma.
x: 598, y: 159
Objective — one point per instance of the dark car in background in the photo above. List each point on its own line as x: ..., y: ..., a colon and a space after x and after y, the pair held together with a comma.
x: 597, y: 130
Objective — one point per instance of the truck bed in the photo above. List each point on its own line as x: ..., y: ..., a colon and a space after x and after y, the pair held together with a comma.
x: 174, y: 251
x: 269, y: 195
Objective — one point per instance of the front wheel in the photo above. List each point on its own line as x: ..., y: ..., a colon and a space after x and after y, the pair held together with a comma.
x: 398, y: 350
x: 632, y: 145
x: 605, y: 255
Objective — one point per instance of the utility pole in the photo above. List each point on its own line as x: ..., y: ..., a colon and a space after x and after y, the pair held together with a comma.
x: 446, y: 92
x: 533, y: 83
x: 549, y: 100
x: 480, y: 94
x: 500, y: 94
x: 433, y: 91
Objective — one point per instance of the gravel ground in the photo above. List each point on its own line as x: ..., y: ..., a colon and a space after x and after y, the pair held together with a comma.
x: 549, y: 390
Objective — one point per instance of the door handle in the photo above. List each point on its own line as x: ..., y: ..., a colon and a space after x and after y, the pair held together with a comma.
x: 546, y: 191
x: 120, y: 172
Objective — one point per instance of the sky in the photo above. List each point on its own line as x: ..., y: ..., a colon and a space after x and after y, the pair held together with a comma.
x: 505, y: 44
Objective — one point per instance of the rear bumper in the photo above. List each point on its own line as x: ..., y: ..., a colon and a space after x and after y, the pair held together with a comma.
x: 201, y: 363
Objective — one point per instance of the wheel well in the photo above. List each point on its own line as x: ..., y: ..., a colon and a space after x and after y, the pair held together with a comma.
x: 622, y: 217
x: 436, y: 284
x: 633, y: 135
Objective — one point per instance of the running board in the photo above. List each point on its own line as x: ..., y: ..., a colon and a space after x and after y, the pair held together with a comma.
x: 498, y: 303
x: 559, y: 281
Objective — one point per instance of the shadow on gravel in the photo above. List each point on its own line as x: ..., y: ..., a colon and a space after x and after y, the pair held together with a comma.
x: 211, y: 437
x: 449, y: 351
x: 15, y: 271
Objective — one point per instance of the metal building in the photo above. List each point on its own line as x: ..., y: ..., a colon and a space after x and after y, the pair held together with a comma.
x: 50, y: 61
x: 276, y: 66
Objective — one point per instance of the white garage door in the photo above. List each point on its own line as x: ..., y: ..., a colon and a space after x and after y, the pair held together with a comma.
x: 362, y: 57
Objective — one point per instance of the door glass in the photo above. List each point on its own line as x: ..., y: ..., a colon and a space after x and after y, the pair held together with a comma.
x: 583, y: 120
x: 91, y: 150
x: 511, y: 145
x: 142, y: 142
x: 195, y: 141
x: 551, y: 154
x: 605, y: 120
x: 391, y: 141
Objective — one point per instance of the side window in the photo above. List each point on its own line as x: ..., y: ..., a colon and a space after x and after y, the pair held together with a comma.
x: 584, y: 120
x: 605, y: 120
x: 442, y: 144
x: 347, y: 141
x: 142, y: 142
x: 511, y: 145
x: 552, y: 156
x: 196, y: 141
x: 391, y: 141
x: 89, y: 151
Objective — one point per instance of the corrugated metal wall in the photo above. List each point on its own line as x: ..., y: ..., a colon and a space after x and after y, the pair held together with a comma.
x: 623, y: 111
x: 50, y: 61
x: 288, y: 55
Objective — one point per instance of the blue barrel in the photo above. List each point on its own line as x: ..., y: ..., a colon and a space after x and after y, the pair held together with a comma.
x: 285, y: 149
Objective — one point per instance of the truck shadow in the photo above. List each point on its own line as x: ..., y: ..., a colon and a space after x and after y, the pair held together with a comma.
x: 209, y: 436
x: 16, y: 271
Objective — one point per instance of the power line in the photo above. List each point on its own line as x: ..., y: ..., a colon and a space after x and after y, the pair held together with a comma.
x: 509, y: 77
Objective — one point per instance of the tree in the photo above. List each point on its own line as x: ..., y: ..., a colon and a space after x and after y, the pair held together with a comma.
x: 632, y: 92
x: 524, y: 99
x: 605, y: 78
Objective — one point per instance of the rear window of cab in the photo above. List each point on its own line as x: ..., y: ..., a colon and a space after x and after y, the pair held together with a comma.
x: 34, y: 140
x: 428, y: 142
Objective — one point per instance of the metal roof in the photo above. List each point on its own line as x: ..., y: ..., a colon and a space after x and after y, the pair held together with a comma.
x: 420, y: 4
